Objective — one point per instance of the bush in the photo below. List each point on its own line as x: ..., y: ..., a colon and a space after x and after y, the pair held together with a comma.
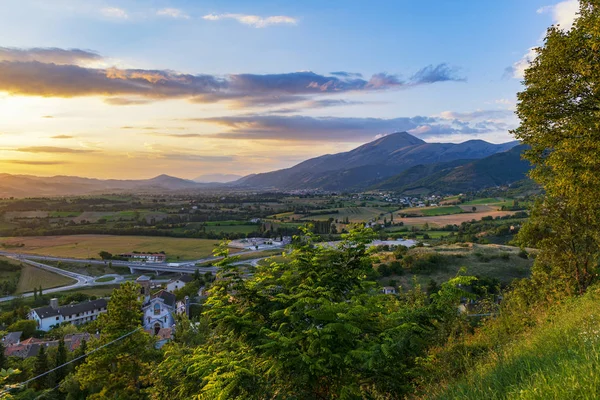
x: 27, y: 326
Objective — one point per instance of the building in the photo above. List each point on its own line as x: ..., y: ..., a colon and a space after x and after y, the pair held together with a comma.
x: 76, y: 314
x: 12, y: 338
x: 159, y: 312
x: 388, y: 290
x: 178, y: 283
x: 145, y: 257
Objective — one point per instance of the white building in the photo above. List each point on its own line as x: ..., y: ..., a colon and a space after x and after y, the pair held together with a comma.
x: 53, y: 315
x: 178, y: 283
x: 159, y: 312
x: 388, y: 290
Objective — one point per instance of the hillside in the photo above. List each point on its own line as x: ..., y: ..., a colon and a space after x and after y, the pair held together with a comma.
x: 556, y: 359
x: 35, y: 186
x: 461, y: 175
x: 370, y: 163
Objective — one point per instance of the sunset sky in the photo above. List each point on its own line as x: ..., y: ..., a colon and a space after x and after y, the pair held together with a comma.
x: 134, y: 89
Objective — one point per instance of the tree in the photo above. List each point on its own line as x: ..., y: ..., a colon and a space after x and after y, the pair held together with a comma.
x: 315, y: 328
x: 105, y: 255
x: 473, y: 208
x: 60, y: 359
x: 122, y: 369
x: 559, y: 111
x: 41, y: 367
x: 27, y: 326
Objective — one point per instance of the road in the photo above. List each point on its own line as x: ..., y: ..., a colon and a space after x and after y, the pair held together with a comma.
x: 81, y: 280
x: 184, y: 267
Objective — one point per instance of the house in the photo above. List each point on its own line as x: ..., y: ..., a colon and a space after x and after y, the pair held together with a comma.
x: 12, y: 338
x: 145, y: 257
x: 159, y: 312
x: 178, y: 283
x: 30, y: 347
x: 388, y: 290
x: 76, y: 314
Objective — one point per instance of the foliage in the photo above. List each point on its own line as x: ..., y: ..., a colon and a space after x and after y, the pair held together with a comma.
x: 312, y: 328
x: 27, y: 326
x: 122, y: 369
x: 559, y: 120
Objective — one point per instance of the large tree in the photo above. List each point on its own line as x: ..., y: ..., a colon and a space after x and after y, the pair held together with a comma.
x: 121, y: 369
x: 315, y: 328
x: 560, y: 121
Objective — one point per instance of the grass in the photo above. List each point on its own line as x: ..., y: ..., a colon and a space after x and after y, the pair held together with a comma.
x: 557, y: 359
x: 88, y: 246
x: 486, y: 200
x: 32, y: 277
x: 88, y: 269
x: 435, y: 211
x: 100, y: 291
x: 354, y: 214
x: 64, y: 214
x: 479, y: 260
x: 106, y: 279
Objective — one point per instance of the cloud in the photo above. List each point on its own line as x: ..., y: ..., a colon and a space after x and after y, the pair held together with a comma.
x: 114, y: 12
x: 436, y: 73
x: 253, y: 20
x: 517, y: 70
x: 478, y: 114
x: 172, y: 13
x: 61, y: 137
x: 297, y: 128
x: 138, y: 86
x: 48, y: 55
x: 563, y: 13
x: 52, y: 149
x: 303, y: 128
x: 33, y: 162
x: 48, y: 116
x: 347, y: 74
x: 122, y: 101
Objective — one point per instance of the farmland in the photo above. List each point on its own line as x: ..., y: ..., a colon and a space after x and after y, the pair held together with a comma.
x: 491, y: 261
x: 88, y: 246
x: 32, y: 277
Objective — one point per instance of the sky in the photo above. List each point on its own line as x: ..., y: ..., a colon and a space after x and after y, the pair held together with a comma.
x: 134, y: 89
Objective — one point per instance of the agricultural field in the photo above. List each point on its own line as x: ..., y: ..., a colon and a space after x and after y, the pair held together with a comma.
x: 32, y: 277
x: 492, y: 261
x: 354, y: 214
x: 452, y: 219
x: 88, y: 246
x: 433, y: 211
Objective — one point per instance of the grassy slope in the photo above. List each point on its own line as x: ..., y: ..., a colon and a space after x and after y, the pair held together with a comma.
x: 558, y: 359
x: 32, y: 277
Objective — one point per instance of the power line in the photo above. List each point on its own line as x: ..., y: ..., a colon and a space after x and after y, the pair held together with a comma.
x: 19, y: 385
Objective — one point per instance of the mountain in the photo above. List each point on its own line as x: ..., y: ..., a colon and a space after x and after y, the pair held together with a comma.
x: 370, y: 163
x: 216, y: 178
x: 461, y: 175
x: 35, y: 186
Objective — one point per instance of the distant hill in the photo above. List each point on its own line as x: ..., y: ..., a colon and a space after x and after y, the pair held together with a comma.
x: 35, y: 186
x: 461, y: 175
x: 218, y: 178
x: 370, y: 163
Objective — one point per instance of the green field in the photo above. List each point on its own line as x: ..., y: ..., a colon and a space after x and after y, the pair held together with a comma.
x: 354, y: 214
x: 487, y: 200
x: 436, y: 211
x: 64, y: 214
x: 88, y: 246
x: 32, y: 277
x: 556, y: 359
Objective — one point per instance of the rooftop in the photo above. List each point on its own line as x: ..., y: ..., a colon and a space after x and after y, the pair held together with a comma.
x: 48, y: 311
